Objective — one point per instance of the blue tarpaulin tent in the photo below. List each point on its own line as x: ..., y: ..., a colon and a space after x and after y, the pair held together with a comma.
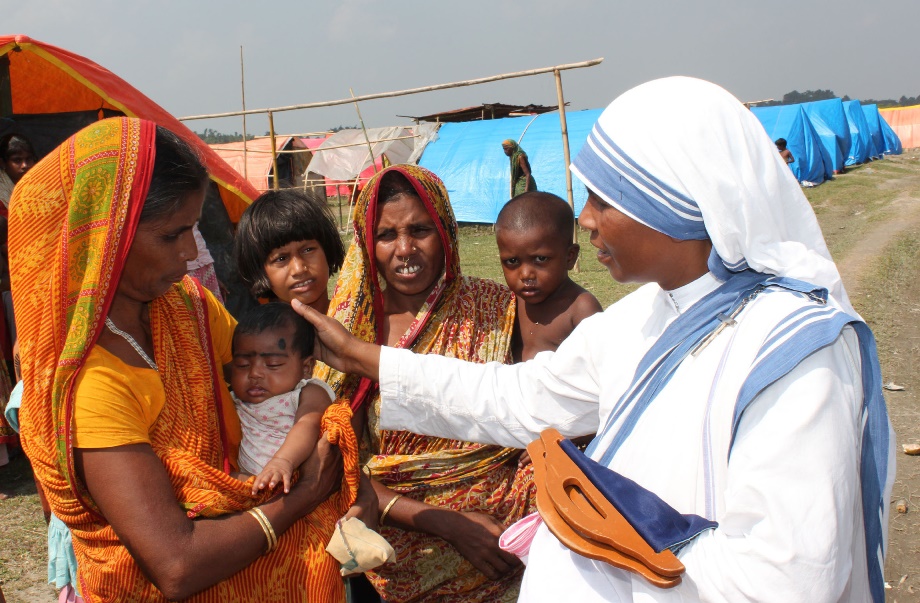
x: 813, y: 163
x: 469, y: 159
x: 885, y: 139
x: 828, y: 116
x: 870, y: 113
x: 861, y: 147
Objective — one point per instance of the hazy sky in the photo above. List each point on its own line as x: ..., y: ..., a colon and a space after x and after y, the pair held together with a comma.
x: 185, y: 55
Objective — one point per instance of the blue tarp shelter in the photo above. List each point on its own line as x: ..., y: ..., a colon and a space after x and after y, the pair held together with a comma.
x: 469, y: 159
x: 813, y: 163
x: 885, y: 139
x: 875, y: 132
x: 828, y: 116
x: 861, y: 147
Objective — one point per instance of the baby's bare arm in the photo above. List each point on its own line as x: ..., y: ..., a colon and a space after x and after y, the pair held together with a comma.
x: 300, y: 441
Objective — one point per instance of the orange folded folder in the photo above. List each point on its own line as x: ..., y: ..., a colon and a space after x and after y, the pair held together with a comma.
x: 582, y: 519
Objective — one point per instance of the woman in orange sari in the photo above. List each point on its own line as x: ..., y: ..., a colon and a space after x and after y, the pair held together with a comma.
x: 126, y: 417
x: 443, y: 502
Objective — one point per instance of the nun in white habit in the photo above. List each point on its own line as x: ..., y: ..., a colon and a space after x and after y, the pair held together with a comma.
x: 738, y: 384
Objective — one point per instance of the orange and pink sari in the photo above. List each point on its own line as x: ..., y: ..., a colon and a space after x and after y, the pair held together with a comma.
x: 463, y: 317
x: 72, y: 221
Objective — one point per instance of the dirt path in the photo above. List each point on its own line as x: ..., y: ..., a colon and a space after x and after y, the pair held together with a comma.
x: 888, y: 294
x: 857, y: 261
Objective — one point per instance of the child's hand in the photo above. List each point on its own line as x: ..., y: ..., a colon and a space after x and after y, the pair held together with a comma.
x: 524, y: 459
x: 276, y: 471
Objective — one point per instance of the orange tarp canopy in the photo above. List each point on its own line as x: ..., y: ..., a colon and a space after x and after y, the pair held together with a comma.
x: 45, y: 79
x: 258, y: 157
x: 905, y: 121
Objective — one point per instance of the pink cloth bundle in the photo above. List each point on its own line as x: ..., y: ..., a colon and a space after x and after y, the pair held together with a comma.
x: 518, y: 537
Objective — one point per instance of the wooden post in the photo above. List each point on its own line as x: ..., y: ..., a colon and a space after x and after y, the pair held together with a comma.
x: 338, y: 198
x: 243, y: 94
x: 354, y: 195
x: 370, y: 151
x: 482, y: 80
x: 271, y: 133
x: 566, y: 157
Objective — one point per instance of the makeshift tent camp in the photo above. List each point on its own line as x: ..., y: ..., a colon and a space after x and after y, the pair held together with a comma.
x: 885, y: 140
x: 49, y: 93
x: 292, y: 157
x: 905, y: 121
x: 862, y: 148
x: 813, y: 163
x: 345, y: 155
x: 469, y: 159
x: 338, y: 187
x: 828, y: 116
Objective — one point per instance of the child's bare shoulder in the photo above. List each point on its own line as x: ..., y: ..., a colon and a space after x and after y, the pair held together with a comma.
x: 583, y: 306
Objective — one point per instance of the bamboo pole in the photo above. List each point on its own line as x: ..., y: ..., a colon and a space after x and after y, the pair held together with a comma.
x: 271, y: 132
x: 243, y: 94
x: 357, y: 144
x: 352, y: 196
x: 312, y: 134
x: 330, y: 148
x: 370, y: 151
x: 339, y: 202
x: 343, y: 101
x: 566, y: 157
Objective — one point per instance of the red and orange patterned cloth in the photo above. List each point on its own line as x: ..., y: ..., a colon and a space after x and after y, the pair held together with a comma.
x: 72, y: 221
x: 463, y: 317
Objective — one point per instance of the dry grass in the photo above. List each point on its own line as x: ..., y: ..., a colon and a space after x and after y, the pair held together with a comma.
x: 23, y: 537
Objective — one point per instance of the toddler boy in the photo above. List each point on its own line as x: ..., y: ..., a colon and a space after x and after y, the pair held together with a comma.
x: 534, y: 235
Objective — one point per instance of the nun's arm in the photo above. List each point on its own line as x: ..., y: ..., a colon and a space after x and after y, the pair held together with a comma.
x: 492, y: 403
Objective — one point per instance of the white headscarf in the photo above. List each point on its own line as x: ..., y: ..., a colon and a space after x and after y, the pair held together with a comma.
x: 674, y: 149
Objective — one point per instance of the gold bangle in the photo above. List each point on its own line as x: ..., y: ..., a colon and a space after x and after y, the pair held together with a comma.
x: 389, y: 506
x: 270, y: 537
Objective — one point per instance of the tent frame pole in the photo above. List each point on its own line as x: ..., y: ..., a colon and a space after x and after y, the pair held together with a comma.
x: 351, y: 197
x: 370, y: 151
x: 344, y: 101
x: 567, y: 158
x: 243, y: 95
x: 271, y: 132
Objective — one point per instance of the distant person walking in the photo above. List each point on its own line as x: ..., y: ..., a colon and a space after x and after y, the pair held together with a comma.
x: 521, y: 179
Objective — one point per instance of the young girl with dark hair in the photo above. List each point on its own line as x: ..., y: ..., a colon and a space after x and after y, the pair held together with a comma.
x: 287, y: 245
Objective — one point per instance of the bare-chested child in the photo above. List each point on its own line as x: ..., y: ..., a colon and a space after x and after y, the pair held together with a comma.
x: 534, y: 235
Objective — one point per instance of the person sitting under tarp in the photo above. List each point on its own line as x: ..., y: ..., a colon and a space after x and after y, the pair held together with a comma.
x: 16, y: 158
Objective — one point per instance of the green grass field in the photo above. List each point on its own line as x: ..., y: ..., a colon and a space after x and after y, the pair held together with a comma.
x: 479, y: 257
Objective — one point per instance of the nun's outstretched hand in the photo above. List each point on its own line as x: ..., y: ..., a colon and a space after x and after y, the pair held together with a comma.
x: 338, y: 348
